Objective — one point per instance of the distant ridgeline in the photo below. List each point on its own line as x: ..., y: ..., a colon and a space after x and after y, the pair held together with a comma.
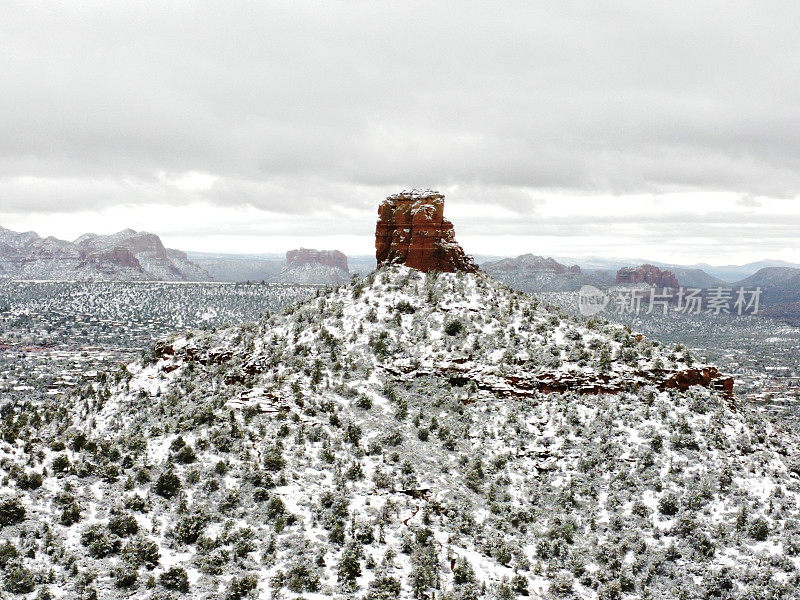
x: 125, y: 256
x: 315, y: 266
x: 647, y: 274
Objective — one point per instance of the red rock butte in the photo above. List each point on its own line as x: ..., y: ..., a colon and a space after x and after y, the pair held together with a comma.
x: 412, y: 231
x: 648, y: 274
x: 329, y: 258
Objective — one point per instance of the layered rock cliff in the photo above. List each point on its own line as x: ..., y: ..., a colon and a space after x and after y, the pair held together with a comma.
x: 412, y: 231
x: 647, y: 274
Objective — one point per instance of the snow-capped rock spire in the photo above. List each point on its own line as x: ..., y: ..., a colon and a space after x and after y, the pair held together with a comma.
x: 412, y: 230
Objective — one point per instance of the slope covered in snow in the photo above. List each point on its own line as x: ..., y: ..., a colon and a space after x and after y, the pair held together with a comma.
x: 410, y: 435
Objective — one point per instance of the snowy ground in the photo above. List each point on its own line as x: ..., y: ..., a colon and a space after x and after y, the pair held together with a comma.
x: 379, y: 441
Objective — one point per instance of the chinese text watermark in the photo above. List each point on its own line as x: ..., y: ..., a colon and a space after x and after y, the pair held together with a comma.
x: 688, y: 301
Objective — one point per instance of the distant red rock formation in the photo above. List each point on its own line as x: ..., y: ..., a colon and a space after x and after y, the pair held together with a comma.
x: 117, y: 256
x: 136, y: 242
x: 412, y: 231
x: 649, y: 274
x: 328, y: 258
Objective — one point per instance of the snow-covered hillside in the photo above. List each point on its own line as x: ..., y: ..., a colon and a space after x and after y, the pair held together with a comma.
x: 410, y: 435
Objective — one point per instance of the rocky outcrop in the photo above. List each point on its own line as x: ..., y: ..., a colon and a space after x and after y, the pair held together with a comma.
x: 529, y: 385
x: 412, y: 231
x: 328, y: 258
x: 708, y: 377
x: 647, y: 274
x: 107, y: 260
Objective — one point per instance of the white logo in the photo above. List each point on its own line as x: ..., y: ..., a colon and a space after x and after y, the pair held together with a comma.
x: 591, y: 300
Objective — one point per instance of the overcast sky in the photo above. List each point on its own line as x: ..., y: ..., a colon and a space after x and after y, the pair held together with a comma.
x: 661, y: 130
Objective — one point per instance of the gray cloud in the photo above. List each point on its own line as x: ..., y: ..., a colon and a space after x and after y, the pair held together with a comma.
x: 309, y: 108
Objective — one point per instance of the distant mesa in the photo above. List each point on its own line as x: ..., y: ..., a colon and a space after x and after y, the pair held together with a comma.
x: 309, y: 266
x: 530, y: 263
x: 647, y: 274
x: 328, y: 258
x: 537, y: 274
x: 412, y: 231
